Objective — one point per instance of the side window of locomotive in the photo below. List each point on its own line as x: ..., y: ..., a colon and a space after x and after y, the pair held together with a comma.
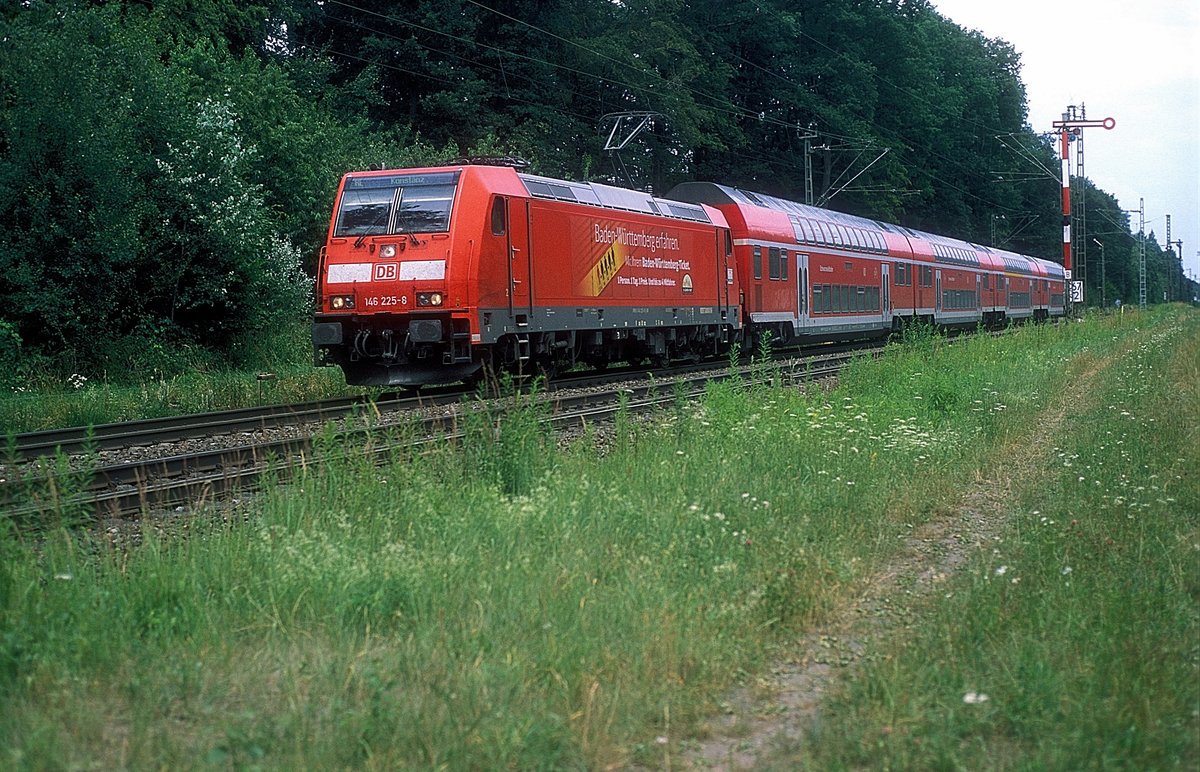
x: 499, y: 219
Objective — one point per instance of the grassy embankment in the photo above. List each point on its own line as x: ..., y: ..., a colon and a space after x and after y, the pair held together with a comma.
x: 510, y: 604
x: 1075, y: 644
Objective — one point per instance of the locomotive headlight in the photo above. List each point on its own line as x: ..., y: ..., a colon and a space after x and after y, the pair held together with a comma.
x: 339, y: 302
x: 429, y: 298
x: 387, y: 250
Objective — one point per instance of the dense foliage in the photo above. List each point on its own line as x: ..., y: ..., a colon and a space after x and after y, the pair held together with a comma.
x: 166, y: 168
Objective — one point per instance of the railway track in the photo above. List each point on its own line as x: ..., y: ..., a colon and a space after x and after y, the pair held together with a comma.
x: 193, y: 478
x: 30, y: 446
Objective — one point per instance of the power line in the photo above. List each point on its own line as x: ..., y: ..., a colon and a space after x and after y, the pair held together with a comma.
x: 716, y: 103
x: 771, y: 160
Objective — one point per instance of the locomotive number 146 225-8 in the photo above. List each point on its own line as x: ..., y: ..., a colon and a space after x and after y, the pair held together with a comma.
x: 385, y: 300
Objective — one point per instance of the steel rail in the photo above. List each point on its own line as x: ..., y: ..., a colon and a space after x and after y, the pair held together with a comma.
x: 28, y: 446
x: 196, y: 478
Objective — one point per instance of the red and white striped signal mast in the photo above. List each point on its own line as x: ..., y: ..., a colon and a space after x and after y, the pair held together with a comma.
x: 1069, y: 126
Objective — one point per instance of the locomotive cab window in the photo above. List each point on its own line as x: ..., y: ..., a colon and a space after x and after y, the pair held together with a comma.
x: 406, y: 203
x: 728, y: 244
x: 499, y: 217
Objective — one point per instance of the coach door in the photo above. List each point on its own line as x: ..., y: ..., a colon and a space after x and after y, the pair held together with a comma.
x: 802, y: 309
x: 724, y: 271
x: 885, y: 293
x: 937, y: 292
x: 520, y: 261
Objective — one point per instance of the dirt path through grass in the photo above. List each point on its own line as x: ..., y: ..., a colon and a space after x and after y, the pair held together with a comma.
x: 768, y: 721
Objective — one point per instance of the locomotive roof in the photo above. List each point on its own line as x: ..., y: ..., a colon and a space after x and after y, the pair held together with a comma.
x: 611, y: 197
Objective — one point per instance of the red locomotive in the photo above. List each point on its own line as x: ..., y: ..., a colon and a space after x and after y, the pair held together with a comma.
x: 429, y: 275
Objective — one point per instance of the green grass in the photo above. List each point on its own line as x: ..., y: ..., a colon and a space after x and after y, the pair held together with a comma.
x: 1082, y: 628
x: 148, y: 378
x: 503, y: 602
x: 47, y: 407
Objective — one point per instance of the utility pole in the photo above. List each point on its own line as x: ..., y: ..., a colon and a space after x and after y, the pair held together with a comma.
x: 1170, y: 268
x: 808, y: 136
x: 1079, y: 226
x: 1176, y: 293
x: 1142, y: 258
x: 625, y: 126
x: 1071, y: 128
x: 1103, y: 294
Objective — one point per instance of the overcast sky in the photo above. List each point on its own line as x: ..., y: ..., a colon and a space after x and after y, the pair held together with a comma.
x: 1137, y: 61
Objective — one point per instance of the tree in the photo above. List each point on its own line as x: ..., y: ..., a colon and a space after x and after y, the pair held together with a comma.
x: 131, y: 221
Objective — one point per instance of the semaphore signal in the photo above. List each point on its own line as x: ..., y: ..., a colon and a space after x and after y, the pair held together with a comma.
x: 1072, y: 125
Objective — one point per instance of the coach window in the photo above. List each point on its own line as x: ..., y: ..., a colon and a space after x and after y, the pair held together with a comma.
x: 758, y: 262
x: 783, y: 265
x: 498, y: 216
x: 806, y: 227
x: 773, y: 262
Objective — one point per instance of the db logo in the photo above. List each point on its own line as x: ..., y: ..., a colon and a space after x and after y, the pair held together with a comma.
x: 385, y: 272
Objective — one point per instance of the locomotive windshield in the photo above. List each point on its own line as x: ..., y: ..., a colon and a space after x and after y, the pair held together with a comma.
x: 403, y: 203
